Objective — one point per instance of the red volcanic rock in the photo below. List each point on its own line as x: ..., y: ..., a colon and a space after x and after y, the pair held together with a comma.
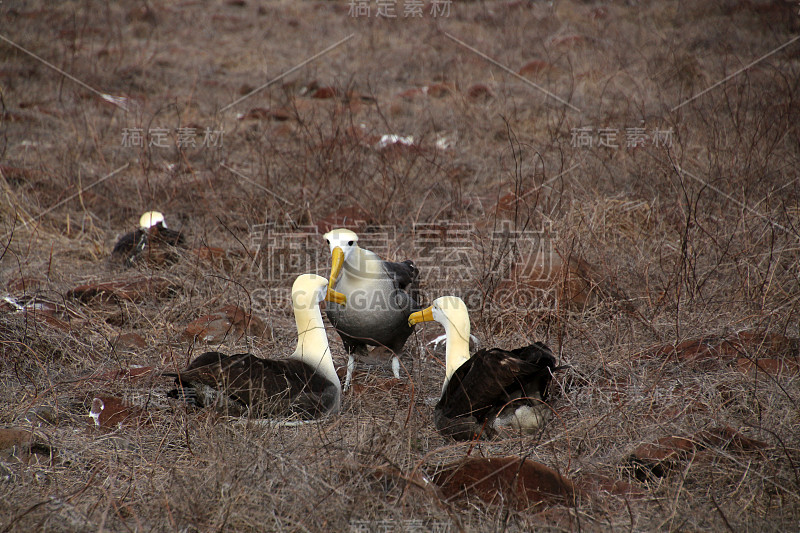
x: 134, y: 290
x: 25, y: 445
x: 713, y: 350
x: 729, y: 439
x: 771, y: 343
x: 110, y: 412
x: 659, y: 457
x: 230, y: 322
x: 130, y: 340
x: 521, y: 483
x: 19, y: 174
x: 535, y: 67
x: 411, y: 93
x: 479, y: 91
x: 692, y: 351
x: 15, y: 437
x: 325, y: 93
x: 663, y: 455
x: 40, y: 311
x: 768, y: 366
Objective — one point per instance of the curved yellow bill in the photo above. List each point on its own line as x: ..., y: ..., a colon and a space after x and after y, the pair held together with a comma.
x: 335, y: 297
x: 337, y: 262
x: 426, y: 315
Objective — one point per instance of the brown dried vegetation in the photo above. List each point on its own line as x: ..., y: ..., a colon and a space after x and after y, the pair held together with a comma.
x: 665, y: 274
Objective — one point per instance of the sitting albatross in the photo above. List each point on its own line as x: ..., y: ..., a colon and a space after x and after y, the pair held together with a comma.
x: 380, y: 297
x: 304, y: 385
x: 493, y: 388
x: 152, y: 241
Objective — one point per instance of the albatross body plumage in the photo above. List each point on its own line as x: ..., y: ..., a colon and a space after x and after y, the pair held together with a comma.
x: 304, y: 385
x: 380, y: 297
x: 492, y: 389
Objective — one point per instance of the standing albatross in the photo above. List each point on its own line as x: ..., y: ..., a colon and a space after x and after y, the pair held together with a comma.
x: 153, y: 241
x: 380, y: 297
x: 492, y: 389
x: 304, y: 385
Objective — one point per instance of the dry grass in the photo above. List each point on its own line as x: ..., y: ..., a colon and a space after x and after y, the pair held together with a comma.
x: 664, y: 244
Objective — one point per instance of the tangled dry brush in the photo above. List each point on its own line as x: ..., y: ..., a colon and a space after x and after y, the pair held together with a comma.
x: 585, y: 190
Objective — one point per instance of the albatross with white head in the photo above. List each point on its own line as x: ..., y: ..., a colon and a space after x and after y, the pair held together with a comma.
x: 380, y: 297
x: 153, y: 241
x: 492, y: 389
x: 304, y: 385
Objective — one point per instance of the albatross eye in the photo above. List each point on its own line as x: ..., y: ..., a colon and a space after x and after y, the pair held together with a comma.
x: 328, y: 241
x: 349, y: 243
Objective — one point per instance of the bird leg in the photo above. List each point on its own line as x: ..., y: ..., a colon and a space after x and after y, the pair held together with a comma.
x: 352, y: 349
x: 351, y: 364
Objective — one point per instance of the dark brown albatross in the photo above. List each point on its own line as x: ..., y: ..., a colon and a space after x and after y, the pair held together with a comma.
x: 153, y: 242
x: 492, y: 389
x: 304, y: 385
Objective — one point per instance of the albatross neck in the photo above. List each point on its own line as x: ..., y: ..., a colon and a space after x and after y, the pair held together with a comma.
x: 312, y: 343
x: 456, y: 350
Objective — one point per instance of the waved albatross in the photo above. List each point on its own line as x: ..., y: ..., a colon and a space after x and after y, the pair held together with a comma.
x: 380, y: 297
x: 152, y: 241
x: 304, y: 385
x: 492, y: 389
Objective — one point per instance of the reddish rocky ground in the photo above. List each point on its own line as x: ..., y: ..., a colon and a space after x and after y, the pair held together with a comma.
x: 616, y: 179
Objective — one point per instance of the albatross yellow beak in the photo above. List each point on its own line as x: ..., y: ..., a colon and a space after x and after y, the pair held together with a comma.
x: 426, y: 315
x: 337, y: 261
x: 335, y: 297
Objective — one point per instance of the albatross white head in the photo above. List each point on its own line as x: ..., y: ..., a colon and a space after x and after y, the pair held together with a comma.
x: 312, y: 342
x: 451, y: 312
x: 150, y: 219
x: 343, y: 244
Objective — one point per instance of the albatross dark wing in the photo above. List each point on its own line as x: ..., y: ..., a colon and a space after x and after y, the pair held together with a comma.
x: 128, y: 243
x: 404, y: 273
x: 537, y: 369
x: 488, y: 381
x: 154, y: 244
x: 268, y: 387
x: 405, y: 276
